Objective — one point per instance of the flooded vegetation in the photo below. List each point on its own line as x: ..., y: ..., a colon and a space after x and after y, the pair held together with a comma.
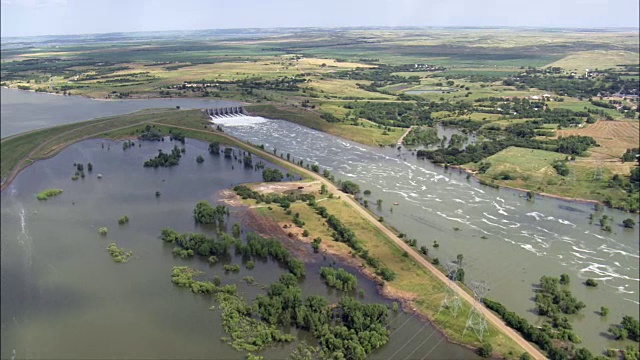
x: 63, y: 294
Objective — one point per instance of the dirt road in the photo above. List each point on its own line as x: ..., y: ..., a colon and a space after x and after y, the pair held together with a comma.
x: 404, y: 135
x: 491, y: 317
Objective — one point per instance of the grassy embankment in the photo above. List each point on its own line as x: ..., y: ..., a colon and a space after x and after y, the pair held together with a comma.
x: 415, y: 285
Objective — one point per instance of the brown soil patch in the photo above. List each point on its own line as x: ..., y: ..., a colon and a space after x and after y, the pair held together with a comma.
x: 614, y: 138
x: 281, y: 187
x: 230, y: 198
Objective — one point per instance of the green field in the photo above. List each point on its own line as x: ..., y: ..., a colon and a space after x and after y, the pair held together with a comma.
x: 532, y: 169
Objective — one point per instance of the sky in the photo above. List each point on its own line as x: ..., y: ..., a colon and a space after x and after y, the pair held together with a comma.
x: 55, y: 17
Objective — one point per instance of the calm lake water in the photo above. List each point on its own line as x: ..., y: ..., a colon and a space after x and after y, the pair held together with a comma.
x: 23, y: 110
x: 505, y: 240
x: 64, y: 297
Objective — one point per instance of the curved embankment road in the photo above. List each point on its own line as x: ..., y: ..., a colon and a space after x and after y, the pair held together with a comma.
x: 495, y: 320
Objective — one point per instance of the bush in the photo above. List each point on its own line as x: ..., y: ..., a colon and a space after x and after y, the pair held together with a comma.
x: 591, y: 282
x: 272, y: 175
x: 629, y: 223
x: 249, y: 265
x: 103, y: 231
x: 199, y: 159
x: 123, y: 220
x: 349, y: 187
x: 44, y: 195
x: 232, y: 268
x: 485, y: 350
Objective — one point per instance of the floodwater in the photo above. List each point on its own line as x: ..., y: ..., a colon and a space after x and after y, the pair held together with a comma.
x: 506, y: 241
x: 63, y: 297
x: 23, y: 110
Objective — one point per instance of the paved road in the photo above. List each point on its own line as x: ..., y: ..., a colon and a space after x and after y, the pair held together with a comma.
x: 491, y: 317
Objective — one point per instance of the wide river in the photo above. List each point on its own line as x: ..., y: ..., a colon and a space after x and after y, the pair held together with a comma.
x: 505, y: 240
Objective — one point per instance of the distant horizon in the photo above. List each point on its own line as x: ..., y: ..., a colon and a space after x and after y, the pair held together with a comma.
x: 471, y: 27
x: 28, y: 18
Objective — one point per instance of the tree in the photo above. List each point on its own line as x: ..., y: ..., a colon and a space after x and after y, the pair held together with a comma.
x: 459, y: 258
x: 604, y: 311
x: 89, y: 167
x: 315, y: 168
x: 349, y: 187
x: 591, y: 282
x: 379, y: 202
x: 424, y: 250
x: 199, y: 159
x: 214, y: 148
x: 204, y: 213
x: 323, y: 189
x: 485, y: 350
x: 272, y: 175
x: 629, y: 223
x: 564, y: 279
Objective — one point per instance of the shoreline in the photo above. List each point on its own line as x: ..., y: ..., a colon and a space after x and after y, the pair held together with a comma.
x: 555, y: 196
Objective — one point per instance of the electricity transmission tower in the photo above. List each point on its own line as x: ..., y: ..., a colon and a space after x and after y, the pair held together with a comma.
x: 451, y: 299
x: 597, y: 174
x: 477, y: 321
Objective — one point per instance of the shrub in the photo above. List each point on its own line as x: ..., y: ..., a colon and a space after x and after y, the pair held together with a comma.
x: 485, y: 350
x: 591, y: 282
x: 45, y: 194
x: 249, y: 265
x: 103, y: 231
x: 232, y: 268
x: 629, y: 223
x: 199, y: 159
x: 123, y: 220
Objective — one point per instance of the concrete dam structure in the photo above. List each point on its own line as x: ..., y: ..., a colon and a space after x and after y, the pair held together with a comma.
x: 225, y: 111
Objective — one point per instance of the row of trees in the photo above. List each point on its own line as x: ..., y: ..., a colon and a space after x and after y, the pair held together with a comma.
x: 538, y: 336
x: 284, y: 200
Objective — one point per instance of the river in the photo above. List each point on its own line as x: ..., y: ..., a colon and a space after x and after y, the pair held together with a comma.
x: 64, y: 297
x: 506, y: 241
